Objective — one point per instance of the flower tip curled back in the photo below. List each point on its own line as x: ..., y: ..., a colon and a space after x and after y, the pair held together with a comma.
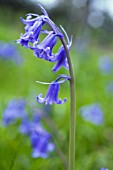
x: 51, y: 97
x: 43, y: 10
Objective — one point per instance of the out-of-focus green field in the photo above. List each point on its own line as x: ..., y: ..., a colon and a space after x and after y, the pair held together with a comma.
x: 94, y: 143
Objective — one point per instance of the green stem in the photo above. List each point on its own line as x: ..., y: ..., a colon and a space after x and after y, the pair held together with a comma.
x: 72, y: 104
x: 72, y: 110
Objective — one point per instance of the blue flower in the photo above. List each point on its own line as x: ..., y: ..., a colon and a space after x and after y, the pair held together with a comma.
x: 14, y: 110
x: 52, y: 93
x: 60, y: 56
x: 41, y: 144
x: 40, y: 139
x: 33, y: 29
x: 104, y: 169
x: 8, y: 51
x: 27, y: 126
x: 44, y: 49
x: 105, y: 64
x: 92, y: 113
x: 60, y: 59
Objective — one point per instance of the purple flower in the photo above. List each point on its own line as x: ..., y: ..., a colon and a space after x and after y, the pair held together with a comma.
x: 8, y: 51
x: 27, y: 126
x: 52, y: 93
x: 40, y: 139
x: 104, y: 169
x: 60, y: 57
x: 14, y: 110
x: 92, y: 113
x: 33, y: 28
x: 105, y: 64
x: 41, y: 144
x: 44, y: 49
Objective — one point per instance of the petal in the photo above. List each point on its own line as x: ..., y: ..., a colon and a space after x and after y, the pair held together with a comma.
x: 40, y: 99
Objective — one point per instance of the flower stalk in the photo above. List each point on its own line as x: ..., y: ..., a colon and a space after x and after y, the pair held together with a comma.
x: 62, y: 58
x: 72, y: 110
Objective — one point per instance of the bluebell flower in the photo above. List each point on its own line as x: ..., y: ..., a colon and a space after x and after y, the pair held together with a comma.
x: 41, y: 144
x: 52, y: 93
x: 104, y: 169
x: 40, y: 139
x: 14, y: 110
x: 33, y: 29
x: 92, y: 113
x: 44, y: 49
x: 25, y: 127
x: 60, y: 57
x: 8, y: 51
x: 105, y: 64
x: 28, y: 126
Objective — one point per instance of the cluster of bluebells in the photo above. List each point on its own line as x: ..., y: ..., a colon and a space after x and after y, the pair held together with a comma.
x: 44, y: 50
x: 92, y: 113
x: 41, y: 140
x: 8, y: 51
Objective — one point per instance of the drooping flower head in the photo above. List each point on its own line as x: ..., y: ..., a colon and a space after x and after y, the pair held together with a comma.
x: 52, y: 93
x: 32, y: 28
x: 30, y: 39
x: 44, y: 49
x: 60, y: 56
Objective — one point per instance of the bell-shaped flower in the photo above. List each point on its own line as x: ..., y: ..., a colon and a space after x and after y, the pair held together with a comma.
x: 60, y: 56
x: 44, y: 49
x: 33, y: 28
x: 52, y: 93
x: 41, y: 144
x: 60, y: 59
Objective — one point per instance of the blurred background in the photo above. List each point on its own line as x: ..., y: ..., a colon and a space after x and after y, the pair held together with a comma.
x: 91, y: 24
